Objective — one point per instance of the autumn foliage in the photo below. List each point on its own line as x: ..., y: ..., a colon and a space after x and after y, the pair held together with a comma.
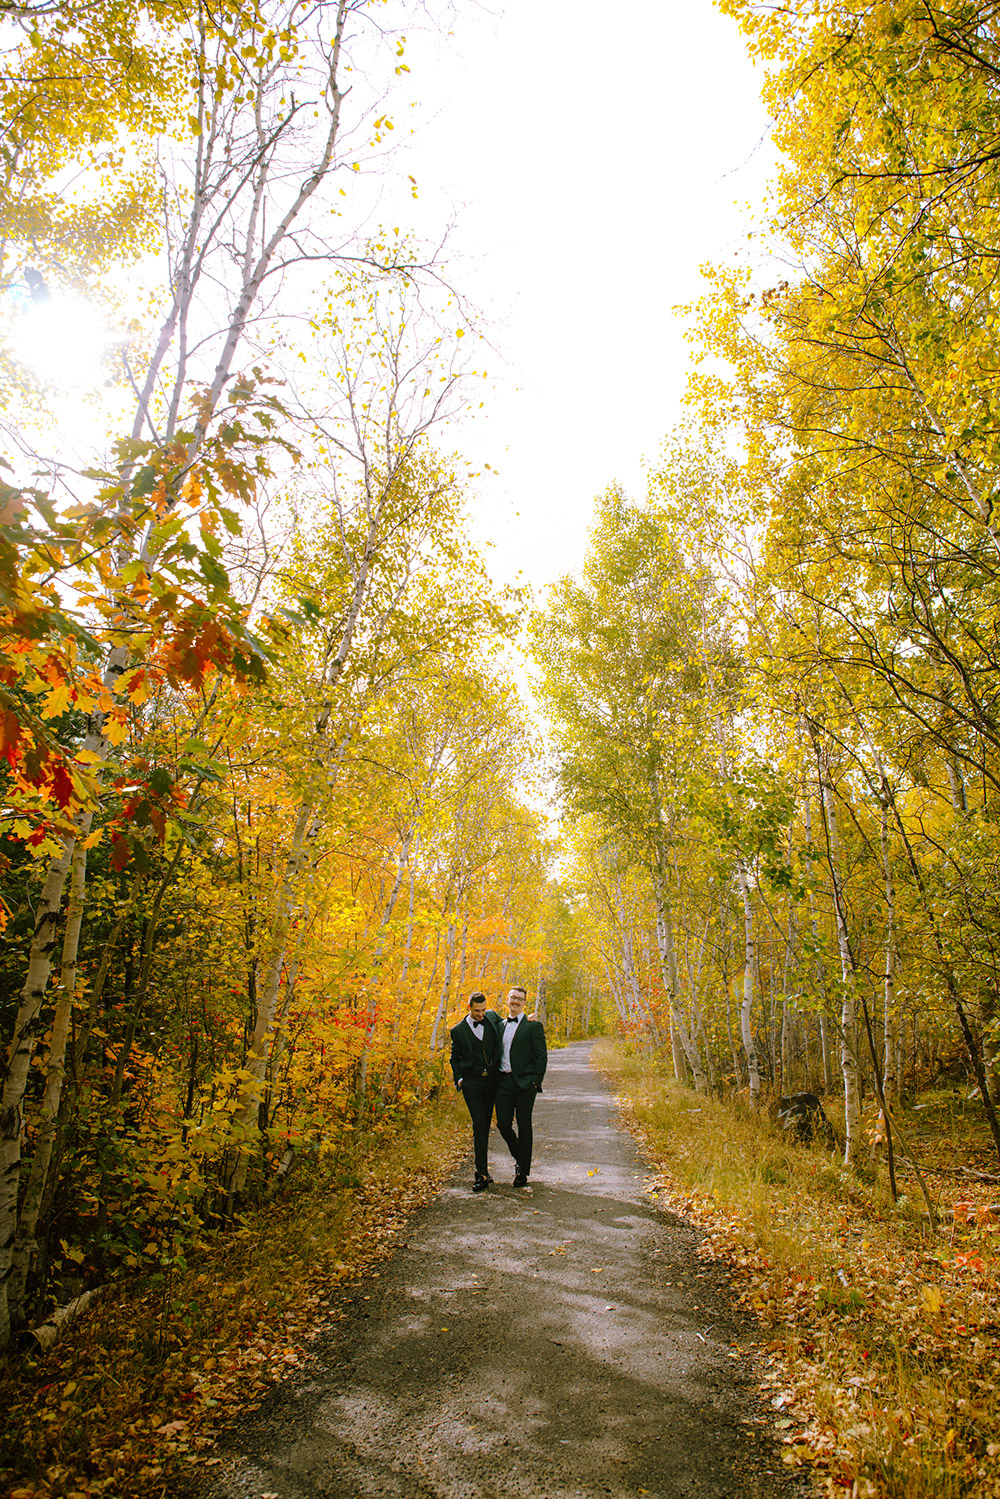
x: 263, y: 772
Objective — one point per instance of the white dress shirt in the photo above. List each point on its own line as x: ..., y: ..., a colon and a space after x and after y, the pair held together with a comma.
x: 509, y: 1032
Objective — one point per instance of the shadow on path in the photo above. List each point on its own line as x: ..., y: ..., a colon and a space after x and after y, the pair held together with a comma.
x: 557, y: 1343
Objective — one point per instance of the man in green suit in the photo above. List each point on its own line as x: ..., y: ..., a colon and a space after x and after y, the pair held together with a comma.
x: 523, y: 1057
x: 475, y: 1060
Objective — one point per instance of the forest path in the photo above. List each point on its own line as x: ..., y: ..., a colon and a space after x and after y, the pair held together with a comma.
x: 563, y: 1341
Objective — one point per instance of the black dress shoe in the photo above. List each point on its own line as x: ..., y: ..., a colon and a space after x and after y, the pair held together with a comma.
x: 480, y: 1184
x: 520, y: 1178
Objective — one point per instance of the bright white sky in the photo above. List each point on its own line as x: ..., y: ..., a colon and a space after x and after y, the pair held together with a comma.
x: 595, y: 156
x: 592, y: 159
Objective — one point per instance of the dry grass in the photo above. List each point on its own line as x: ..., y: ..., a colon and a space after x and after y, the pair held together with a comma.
x: 137, y: 1391
x: 879, y: 1335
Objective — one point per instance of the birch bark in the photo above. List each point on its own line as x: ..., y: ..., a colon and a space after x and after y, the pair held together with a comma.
x: 848, y: 1018
x: 25, y: 1246
x: 668, y: 967
x: 888, y: 1007
x: 746, y: 1008
x: 19, y: 1054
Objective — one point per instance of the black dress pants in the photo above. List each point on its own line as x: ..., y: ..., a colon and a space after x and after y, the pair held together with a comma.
x: 479, y: 1101
x: 512, y: 1102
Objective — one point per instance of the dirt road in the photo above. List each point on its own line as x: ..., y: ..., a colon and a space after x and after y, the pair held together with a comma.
x: 561, y: 1342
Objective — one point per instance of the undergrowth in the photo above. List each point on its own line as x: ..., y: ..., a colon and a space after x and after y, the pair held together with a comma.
x: 879, y: 1333
x: 142, y: 1385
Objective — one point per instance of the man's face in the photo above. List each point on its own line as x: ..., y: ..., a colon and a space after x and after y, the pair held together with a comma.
x: 515, y: 1002
x: 478, y: 1010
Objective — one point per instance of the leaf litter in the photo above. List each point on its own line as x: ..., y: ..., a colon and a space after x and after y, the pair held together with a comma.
x: 878, y: 1349
x: 133, y: 1396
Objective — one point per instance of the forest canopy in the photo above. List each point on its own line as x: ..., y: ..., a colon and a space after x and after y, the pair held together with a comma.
x: 774, y: 688
x: 267, y: 786
x: 272, y: 803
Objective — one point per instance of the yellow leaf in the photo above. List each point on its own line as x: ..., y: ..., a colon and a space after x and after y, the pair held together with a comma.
x: 115, y: 730
x: 930, y: 1300
x: 139, y: 691
x: 56, y: 702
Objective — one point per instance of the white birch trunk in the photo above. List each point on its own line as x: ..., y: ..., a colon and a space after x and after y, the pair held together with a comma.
x: 889, y: 1085
x: 746, y: 1030
x: 19, y: 1055
x: 462, y: 959
x: 824, y: 1044
x: 786, y: 1046
x: 267, y: 1000
x: 442, y: 1008
x: 617, y: 995
x: 956, y: 783
x: 668, y: 965
x: 676, y: 1050
x: 386, y: 917
x: 430, y: 984
x: 848, y: 1025
x: 55, y: 1070
x: 409, y: 920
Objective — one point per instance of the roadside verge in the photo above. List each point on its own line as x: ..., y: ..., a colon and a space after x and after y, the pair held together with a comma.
x: 878, y: 1336
x: 139, y: 1390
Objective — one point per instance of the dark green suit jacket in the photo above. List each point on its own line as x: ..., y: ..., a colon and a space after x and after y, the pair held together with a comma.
x: 528, y: 1054
x: 470, y: 1061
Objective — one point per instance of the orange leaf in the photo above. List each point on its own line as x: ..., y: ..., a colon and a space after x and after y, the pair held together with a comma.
x: 10, y: 735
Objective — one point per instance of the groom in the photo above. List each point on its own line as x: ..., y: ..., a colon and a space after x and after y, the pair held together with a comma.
x: 523, y: 1056
x: 475, y: 1057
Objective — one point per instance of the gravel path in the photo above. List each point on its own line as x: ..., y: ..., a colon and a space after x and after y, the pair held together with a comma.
x: 557, y: 1343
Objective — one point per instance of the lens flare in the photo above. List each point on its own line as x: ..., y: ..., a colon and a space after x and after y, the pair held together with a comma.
x: 63, y: 341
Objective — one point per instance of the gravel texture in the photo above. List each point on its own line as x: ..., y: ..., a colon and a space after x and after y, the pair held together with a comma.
x: 559, y: 1342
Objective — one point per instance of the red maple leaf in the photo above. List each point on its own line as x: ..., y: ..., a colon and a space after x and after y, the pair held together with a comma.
x: 120, y: 851
x: 10, y: 735
x: 62, y: 784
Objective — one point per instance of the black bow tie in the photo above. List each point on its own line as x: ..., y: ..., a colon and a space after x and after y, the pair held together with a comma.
x: 512, y: 1019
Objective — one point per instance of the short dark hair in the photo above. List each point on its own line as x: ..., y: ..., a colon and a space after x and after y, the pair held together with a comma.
x: 519, y: 989
x: 477, y: 999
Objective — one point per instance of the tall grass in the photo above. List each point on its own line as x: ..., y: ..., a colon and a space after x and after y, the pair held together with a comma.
x: 836, y: 1273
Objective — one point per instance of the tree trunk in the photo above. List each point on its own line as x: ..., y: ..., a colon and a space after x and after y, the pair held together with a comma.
x: 409, y: 922
x: 746, y: 1031
x: 676, y: 1050
x: 668, y: 966
x: 824, y: 1042
x: 785, y: 1085
x: 55, y: 1070
x: 430, y: 984
x: 260, y: 1042
x: 442, y: 1009
x: 390, y: 906
x: 890, y: 1079
x: 19, y: 1055
x: 951, y: 982
x: 618, y: 997
x: 848, y: 1025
